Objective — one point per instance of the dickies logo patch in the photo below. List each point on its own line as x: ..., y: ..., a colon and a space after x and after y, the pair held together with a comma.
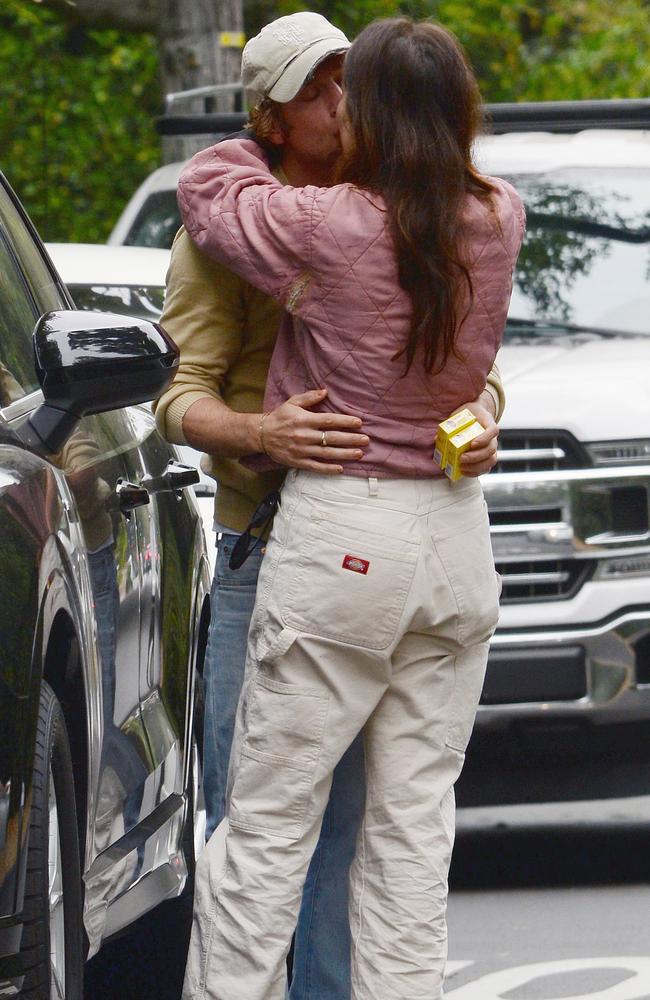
x: 356, y: 564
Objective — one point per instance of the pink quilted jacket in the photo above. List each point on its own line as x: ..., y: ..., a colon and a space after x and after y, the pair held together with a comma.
x: 327, y: 256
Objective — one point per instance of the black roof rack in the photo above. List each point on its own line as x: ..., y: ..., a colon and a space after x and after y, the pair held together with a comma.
x: 202, y: 124
x: 209, y: 94
x: 208, y: 121
x: 568, y: 116
x: 529, y: 116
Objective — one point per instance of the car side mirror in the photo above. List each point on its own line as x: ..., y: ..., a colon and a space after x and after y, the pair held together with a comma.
x: 90, y: 362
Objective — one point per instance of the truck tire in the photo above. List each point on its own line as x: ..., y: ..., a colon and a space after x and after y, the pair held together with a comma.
x: 52, y: 948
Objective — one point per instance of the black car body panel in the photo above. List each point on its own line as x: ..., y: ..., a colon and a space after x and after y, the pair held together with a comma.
x: 106, y: 603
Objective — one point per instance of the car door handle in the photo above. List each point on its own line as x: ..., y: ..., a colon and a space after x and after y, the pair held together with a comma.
x: 130, y: 496
x: 175, y: 478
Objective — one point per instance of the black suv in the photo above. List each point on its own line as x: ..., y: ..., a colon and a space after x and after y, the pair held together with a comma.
x: 104, y: 604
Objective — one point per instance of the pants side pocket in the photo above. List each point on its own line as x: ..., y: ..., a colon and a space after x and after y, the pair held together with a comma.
x: 281, y: 746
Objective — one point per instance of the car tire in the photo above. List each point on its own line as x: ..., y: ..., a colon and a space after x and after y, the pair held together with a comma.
x: 52, y: 947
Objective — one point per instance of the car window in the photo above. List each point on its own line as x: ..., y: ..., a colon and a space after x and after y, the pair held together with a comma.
x: 145, y: 302
x: 27, y: 289
x: 38, y: 276
x: 584, y: 266
x: 17, y: 317
x: 156, y: 223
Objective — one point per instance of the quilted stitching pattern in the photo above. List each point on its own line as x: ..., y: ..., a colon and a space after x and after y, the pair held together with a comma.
x: 327, y: 253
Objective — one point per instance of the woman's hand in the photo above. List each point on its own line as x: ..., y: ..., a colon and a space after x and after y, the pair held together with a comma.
x: 481, y: 456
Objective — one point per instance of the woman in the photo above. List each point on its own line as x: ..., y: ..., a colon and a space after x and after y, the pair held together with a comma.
x: 378, y: 594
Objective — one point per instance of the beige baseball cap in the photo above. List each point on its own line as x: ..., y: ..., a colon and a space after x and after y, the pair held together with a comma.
x: 277, y: 62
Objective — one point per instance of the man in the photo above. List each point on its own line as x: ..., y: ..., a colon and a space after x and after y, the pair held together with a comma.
x: 226, y: 330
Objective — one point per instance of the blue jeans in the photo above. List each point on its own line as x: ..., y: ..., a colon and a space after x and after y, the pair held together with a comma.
x: 321, y: 962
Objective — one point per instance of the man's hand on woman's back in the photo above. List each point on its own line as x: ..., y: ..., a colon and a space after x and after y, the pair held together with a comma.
x: 296, y: 437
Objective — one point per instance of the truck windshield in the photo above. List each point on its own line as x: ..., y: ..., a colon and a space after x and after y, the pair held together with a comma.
x: 585, y: 262
x: 157, y: 222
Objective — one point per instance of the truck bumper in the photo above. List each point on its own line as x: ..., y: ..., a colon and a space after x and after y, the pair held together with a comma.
x: 565, y: 714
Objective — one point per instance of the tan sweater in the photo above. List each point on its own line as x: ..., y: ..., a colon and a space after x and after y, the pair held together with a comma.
x: 225, y: 330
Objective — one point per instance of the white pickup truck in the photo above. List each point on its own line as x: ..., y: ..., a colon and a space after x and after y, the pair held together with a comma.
x: 565, y: 712
x: 566, y: 705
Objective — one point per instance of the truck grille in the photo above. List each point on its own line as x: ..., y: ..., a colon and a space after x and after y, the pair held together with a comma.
x: 542, y: 580
x: 539, y: 451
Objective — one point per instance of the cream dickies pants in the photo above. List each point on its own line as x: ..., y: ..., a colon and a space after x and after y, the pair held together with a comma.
x: 375, y: 604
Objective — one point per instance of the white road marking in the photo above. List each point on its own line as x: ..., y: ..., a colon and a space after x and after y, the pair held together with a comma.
x: 493, y: 985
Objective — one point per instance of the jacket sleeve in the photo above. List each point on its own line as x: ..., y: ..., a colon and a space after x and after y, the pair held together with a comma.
x: 239, y: 214
x: 204, y: 315
x: 494, y: 386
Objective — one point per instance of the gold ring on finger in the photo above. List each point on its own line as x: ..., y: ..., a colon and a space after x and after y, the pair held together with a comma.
x: 323, y: 439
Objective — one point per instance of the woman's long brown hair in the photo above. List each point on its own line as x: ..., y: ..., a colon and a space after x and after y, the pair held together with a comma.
x: 414, y: 109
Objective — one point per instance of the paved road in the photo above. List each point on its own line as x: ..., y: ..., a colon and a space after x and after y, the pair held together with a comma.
x: 551, y: 903
x: 546, y: 903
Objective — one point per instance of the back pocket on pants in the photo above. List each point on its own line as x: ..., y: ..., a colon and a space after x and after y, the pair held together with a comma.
x: 349, y: 585
x: 461, y: 536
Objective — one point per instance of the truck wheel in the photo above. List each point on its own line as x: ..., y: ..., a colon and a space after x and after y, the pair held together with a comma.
x: 52, y: 950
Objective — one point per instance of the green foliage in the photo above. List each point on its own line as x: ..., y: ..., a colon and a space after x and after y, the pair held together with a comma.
x: 76, y: 109
x: 76, y: 106
x: 520, y: 49
x: 554, y: 49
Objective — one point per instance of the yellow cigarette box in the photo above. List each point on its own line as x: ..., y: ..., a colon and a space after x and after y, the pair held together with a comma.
x: 456, y: 445
x: 457, y: 422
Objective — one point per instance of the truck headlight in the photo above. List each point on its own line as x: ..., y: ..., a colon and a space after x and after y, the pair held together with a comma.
x: 635, y: 452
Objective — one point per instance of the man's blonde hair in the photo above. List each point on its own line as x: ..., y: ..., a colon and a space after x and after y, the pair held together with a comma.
x: 265, y: 119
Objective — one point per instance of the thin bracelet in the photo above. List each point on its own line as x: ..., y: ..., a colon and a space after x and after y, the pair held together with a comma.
x: 261, y: 432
